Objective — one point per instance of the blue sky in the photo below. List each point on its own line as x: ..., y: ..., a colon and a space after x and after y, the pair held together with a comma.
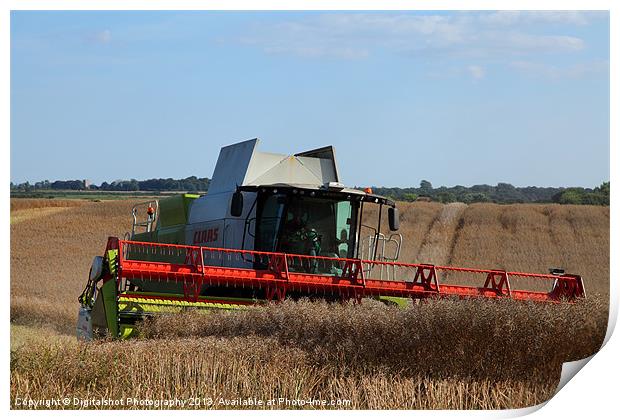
x: 452, y: 97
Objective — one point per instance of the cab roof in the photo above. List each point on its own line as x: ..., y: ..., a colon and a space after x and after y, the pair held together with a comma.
x: 320, y: 192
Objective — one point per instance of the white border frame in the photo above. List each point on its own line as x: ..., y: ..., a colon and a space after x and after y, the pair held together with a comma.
x: 592, y: 393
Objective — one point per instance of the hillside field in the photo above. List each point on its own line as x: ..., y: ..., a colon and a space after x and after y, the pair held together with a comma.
x: 439, y: 354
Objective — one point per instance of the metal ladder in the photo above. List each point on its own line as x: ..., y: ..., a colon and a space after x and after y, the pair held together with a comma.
x: 382, y: 243
x: 151, y: 217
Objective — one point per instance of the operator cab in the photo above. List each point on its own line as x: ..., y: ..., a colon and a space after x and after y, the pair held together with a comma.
x: 313, y: 221
x: 305, y: 224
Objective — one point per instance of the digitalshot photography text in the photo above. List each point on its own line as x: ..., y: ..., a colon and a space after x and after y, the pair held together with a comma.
x: 78, y: 403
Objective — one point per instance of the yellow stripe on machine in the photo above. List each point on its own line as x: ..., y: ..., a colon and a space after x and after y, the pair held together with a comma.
x: 138, y: 305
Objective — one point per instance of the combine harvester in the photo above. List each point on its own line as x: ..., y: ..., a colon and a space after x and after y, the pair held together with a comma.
x: 273, y: 227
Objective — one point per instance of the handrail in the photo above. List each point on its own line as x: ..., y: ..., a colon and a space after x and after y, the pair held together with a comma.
x: 277, y: 271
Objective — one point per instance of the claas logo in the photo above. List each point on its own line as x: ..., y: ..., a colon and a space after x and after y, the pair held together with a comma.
x: 205, y: 236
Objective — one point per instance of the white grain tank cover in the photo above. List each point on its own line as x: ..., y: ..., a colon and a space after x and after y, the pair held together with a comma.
x: 301, y: 169
x: 232, y: 166
x: 241, y: 164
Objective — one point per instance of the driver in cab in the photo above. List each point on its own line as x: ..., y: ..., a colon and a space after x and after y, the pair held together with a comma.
x: 297, y: 238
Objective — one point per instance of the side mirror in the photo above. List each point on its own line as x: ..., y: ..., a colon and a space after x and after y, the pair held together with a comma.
x: 236, y: 205
x: 393, y: 218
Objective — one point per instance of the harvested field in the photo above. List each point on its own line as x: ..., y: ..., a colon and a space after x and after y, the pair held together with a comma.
x: 439, y: 354
x: 35, y: 203
x: 29, y: 209
x: 519, y: 237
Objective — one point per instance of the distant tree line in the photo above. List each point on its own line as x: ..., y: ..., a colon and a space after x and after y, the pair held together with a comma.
x: 191, y: 183
x: 600, y: 195
x: 501, y: 193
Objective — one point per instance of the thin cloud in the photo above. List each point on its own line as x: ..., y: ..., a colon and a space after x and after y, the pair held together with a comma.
x: 346, y: 53
x: 517, y: 17
x: 102, y: 37
x: 551, y: 43
x: 359, y: 35
x: 476, y: 72
x: 551, y: 72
